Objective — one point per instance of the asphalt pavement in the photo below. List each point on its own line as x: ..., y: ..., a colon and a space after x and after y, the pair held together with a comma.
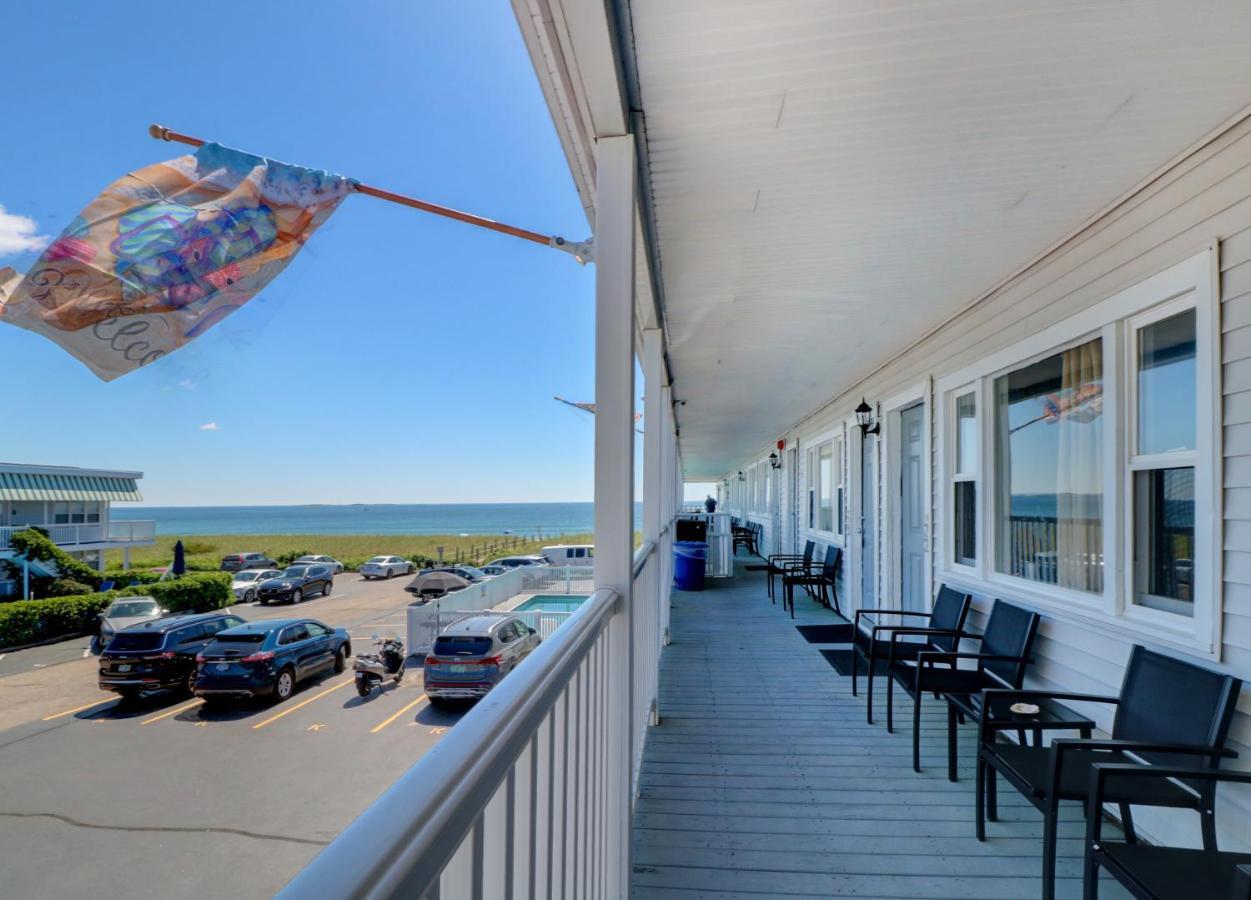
x: 98, y: 795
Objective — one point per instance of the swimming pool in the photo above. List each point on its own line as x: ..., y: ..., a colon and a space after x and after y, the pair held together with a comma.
x: 551, y: 603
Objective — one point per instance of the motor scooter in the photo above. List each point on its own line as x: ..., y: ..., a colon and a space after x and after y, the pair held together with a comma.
x: 386, y: 662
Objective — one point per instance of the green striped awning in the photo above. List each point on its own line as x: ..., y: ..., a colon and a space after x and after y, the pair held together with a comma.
x: 34, y: 486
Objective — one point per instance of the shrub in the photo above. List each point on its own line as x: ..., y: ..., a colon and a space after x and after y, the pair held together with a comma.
x: 28, y: 621
x: 285, y: 559
x: 193, y: 592
x: 34, y: 543
x: 65, y: 587
x: 193, y: 547
x: 124, y: 577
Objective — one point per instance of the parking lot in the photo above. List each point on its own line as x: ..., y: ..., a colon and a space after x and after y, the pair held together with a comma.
x: 99, y: 795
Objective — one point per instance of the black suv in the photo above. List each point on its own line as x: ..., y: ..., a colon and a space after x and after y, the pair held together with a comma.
x: 159, y: 654
x: 296, y: 583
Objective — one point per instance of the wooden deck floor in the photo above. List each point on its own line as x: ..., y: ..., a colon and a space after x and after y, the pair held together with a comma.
x: 763, y: 778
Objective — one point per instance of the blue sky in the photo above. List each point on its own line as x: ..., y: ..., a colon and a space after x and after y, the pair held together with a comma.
x: 401, y: 357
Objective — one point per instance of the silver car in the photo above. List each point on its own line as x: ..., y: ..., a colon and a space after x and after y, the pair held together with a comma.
x: 313, y: 559
x: 386, y: 567
x: 124, y: 612
x: 473, y: 655
x: 245, y: 583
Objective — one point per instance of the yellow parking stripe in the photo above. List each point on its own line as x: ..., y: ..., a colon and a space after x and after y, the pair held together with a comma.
x: 395, y: 716
x: 170, y: 712
x: 291, y: 709
x: 75, y: 709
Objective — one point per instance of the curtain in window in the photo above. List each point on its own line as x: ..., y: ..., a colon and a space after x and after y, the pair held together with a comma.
x: 1077, y: 413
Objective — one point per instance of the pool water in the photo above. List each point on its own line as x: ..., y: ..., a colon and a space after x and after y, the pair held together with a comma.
x: 551, y: 603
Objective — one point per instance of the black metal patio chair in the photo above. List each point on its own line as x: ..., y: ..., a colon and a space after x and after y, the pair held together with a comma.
x: 1169, y: 712
x: 1001, y: 661
x: 821, y: 581
x: 779, y: 563
x: 946, y: 622
x: 1155, y: 872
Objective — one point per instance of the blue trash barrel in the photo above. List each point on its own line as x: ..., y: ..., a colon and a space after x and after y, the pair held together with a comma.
x: 690, y: 558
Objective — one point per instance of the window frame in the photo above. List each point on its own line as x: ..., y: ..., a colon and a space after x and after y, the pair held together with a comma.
x: 951, y: 476
x: 1190, y: 283
x: 835, y: 439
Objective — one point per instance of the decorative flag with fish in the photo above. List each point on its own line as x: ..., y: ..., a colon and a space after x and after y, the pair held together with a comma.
x: 167, y: 252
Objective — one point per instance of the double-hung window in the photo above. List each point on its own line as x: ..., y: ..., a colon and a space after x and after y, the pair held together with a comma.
x: 966, y: 438
x: 825, y: 487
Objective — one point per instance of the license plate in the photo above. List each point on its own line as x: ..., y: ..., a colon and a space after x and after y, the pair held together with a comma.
x: 222, y: 667
x: 124, y: 668
x: 461, y: 668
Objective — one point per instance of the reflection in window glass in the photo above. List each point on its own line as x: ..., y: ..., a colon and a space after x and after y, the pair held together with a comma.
x: 1166, y: 385
x: 1049, y: 435
x: 1164, y: 539
x: 825, y: 476
x: 966, y: 434
x: 966, y: 522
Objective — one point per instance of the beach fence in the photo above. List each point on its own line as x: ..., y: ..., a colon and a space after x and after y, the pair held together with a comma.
x: 427, y: 618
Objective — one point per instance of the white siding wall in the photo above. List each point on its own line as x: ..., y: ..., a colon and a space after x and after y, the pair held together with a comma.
x: 1206, y: 196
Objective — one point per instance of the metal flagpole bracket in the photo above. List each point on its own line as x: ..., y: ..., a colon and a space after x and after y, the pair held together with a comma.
x: 582, y: 251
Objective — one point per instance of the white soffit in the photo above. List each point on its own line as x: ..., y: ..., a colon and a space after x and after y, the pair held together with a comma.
x: 831, y: 180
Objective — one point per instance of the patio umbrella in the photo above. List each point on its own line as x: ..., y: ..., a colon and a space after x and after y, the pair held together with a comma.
x: 436, y: 584
x: 180, y: 559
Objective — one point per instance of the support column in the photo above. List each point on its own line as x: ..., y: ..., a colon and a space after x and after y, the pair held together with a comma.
x: 653, y: 433
x: 614, y: 472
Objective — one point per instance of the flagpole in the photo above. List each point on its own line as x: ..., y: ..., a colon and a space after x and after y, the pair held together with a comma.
x: 580, y: 250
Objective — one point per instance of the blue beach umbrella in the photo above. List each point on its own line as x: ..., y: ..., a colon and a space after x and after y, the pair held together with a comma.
x: 180, y: 559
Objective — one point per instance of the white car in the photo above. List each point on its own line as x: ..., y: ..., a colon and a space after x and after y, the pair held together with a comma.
x: 386, y: 567
x: 515, y: 562
x: 312, y: 559
x: 245, y: 583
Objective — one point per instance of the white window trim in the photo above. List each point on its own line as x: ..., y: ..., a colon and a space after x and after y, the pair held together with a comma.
x: 1190, y: 282
x: 836, y: 435
x: 944, y: 530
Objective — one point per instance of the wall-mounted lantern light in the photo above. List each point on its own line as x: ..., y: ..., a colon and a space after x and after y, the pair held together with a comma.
x: 741, y: 476
x: 864, y: 418
x: 775, y: 461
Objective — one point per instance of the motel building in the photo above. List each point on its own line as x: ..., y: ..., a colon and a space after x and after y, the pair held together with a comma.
x: 960, y: 290
x: 72, y: 505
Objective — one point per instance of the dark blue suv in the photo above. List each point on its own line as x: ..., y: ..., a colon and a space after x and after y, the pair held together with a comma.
x: 269, y: 658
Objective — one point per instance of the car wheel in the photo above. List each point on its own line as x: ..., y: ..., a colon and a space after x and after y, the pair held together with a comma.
x: 325, y: 592
x: 340, y: 660
x: 297, y: 596
x: 390, y: 573
x: 264, y: 602
x: 249, y: 597
x: 284, y: 685
x: 190, y: 685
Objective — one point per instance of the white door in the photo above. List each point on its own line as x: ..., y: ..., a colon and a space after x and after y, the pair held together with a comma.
x: 912, y: 509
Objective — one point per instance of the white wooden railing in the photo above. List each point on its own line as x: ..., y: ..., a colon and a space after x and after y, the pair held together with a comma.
x: 529, y: 795
x: 124, y: 531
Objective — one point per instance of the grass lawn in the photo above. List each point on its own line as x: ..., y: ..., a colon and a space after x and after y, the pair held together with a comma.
x: 350, y: 549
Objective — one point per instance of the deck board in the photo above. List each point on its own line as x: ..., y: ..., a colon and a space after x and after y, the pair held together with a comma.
x: 764, y: 780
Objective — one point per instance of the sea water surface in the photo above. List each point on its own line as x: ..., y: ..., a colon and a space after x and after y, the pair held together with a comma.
x: 547, y: 519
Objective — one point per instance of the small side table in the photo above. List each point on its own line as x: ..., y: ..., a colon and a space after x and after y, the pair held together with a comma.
x: 1051, y: 716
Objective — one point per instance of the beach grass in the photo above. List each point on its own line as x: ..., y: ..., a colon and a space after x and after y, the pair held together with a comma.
x: 206, y: 551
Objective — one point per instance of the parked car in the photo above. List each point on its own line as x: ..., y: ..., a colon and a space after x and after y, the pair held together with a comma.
x: 469, y: 573
x: 513, y: 562
x: 245, y: 583
x: 493, y: 570
x: 124, y: 612
x: 386, y: 567
x: 569, y: 554
x: 336, y: 567
x: 295, y: 583
x: 268, y: 659
x: 161, y: 654
x: 236, y: 562
x: 474, y: 654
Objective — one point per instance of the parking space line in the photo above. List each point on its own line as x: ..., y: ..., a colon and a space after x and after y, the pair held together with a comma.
x: 171, y: 712
x: 391, y: 718
x: 292, y: 709
x: 69, y: 712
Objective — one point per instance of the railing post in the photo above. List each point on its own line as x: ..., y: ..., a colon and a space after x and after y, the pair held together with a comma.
x: 614, y: 473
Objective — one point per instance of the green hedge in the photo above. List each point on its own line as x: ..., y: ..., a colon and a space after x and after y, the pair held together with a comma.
x: 33, y: 543
x: 28, y: 621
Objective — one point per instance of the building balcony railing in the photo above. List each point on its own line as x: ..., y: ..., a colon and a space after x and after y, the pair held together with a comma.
x: 131, y: 531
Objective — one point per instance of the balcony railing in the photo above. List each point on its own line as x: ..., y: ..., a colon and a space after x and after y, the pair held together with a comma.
x: 531, y: 793
x: 123, y: 532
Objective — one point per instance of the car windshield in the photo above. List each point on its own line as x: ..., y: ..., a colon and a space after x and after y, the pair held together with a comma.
x: 380, y: 559
x: 132, y: 608
x: 145, y: 640
x: 461, y: 645
x: 247, y: 576
x: 294, y: 571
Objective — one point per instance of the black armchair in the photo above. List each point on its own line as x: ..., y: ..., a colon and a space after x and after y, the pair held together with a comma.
x: 946, y: 621
x: 1153, y: 872
x: 1001, y: 662
x: 824, y: 580
x: 1169, y: 712
x: 780, y: 563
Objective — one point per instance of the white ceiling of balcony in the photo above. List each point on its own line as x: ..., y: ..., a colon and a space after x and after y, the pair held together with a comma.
x: 831, y: 180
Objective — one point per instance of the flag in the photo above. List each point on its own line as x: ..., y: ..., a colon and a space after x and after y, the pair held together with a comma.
x: 167, y: 252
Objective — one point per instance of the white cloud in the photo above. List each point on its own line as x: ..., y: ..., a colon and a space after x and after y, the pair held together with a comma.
x: 187, y: 385
x: 19, y: 234
x: 209, y: 426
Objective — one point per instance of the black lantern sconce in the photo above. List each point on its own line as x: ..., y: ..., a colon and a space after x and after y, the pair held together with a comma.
x: 775, y: 461
x: 741, y: 476
x: 864, y: 418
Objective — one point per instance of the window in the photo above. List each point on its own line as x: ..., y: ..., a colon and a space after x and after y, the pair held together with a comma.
x: 812, y: 488
x: 1163, y: 464
x: 964, y: 481
x: 825, y: 480
x: 825, y: 487
x: 1049, y: 440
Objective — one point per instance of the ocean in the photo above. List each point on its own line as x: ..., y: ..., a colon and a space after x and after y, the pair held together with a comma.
x: 545, y: 519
